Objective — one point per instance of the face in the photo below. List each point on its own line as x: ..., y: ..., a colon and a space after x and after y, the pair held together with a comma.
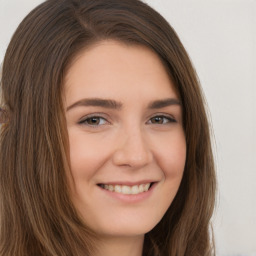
x: 127, y: 144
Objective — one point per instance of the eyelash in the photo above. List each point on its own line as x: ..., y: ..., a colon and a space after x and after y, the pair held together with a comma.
x: 168, y: 119
x: 85, y: 120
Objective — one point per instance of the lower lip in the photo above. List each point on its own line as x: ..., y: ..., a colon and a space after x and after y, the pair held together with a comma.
x: 130, y: 198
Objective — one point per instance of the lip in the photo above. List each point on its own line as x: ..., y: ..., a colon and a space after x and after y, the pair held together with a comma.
x: 129, y: 198
x: 128, y: 183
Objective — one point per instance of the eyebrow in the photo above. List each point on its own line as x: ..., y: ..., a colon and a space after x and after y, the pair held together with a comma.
x: 95, y: 102
x: 164, y: 103
x: 112, y: 104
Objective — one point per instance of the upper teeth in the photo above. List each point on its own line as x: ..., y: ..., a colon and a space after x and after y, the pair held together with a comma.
x: 127, y: 190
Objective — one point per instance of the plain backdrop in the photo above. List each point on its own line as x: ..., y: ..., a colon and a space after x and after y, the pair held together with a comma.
x: 220, y: 37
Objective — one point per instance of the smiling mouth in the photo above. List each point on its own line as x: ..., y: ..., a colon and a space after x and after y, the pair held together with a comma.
x: 127, y: 190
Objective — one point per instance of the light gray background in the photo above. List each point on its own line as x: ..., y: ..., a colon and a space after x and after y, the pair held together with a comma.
x: 220, y: 36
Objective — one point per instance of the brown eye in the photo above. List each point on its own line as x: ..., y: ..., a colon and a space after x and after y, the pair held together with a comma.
x: 93, y: 121
x: 157, y: 120
x: 162, y: 120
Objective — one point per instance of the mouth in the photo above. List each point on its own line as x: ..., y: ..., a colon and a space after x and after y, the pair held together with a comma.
x: 126, y: 189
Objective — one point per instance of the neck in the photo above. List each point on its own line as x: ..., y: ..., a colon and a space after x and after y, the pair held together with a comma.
x: 116, y: 246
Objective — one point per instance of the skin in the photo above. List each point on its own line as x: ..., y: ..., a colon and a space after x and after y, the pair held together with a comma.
x: 133, y: 141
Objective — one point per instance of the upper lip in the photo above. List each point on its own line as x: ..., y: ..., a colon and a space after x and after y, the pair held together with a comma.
x: 128, y: 183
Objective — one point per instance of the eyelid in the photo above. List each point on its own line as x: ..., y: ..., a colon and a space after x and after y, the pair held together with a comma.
x: 96, y: 115
x: 82, y: 121
x: 171, y: 118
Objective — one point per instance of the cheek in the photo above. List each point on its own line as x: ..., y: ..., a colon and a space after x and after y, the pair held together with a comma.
x: 84, y: 155
x: 172, y: 156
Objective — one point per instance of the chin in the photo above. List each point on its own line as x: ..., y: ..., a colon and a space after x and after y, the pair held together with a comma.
x: 125, y: 226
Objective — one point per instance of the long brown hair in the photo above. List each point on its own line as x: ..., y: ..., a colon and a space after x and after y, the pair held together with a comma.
x: 37, y: 216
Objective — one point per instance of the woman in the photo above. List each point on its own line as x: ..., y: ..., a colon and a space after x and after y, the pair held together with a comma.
x: 105, y: 148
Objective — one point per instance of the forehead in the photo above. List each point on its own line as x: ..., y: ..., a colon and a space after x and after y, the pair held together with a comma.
x: 113, y: 69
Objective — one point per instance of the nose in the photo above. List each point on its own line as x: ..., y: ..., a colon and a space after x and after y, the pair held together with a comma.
x: 132, y: 150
